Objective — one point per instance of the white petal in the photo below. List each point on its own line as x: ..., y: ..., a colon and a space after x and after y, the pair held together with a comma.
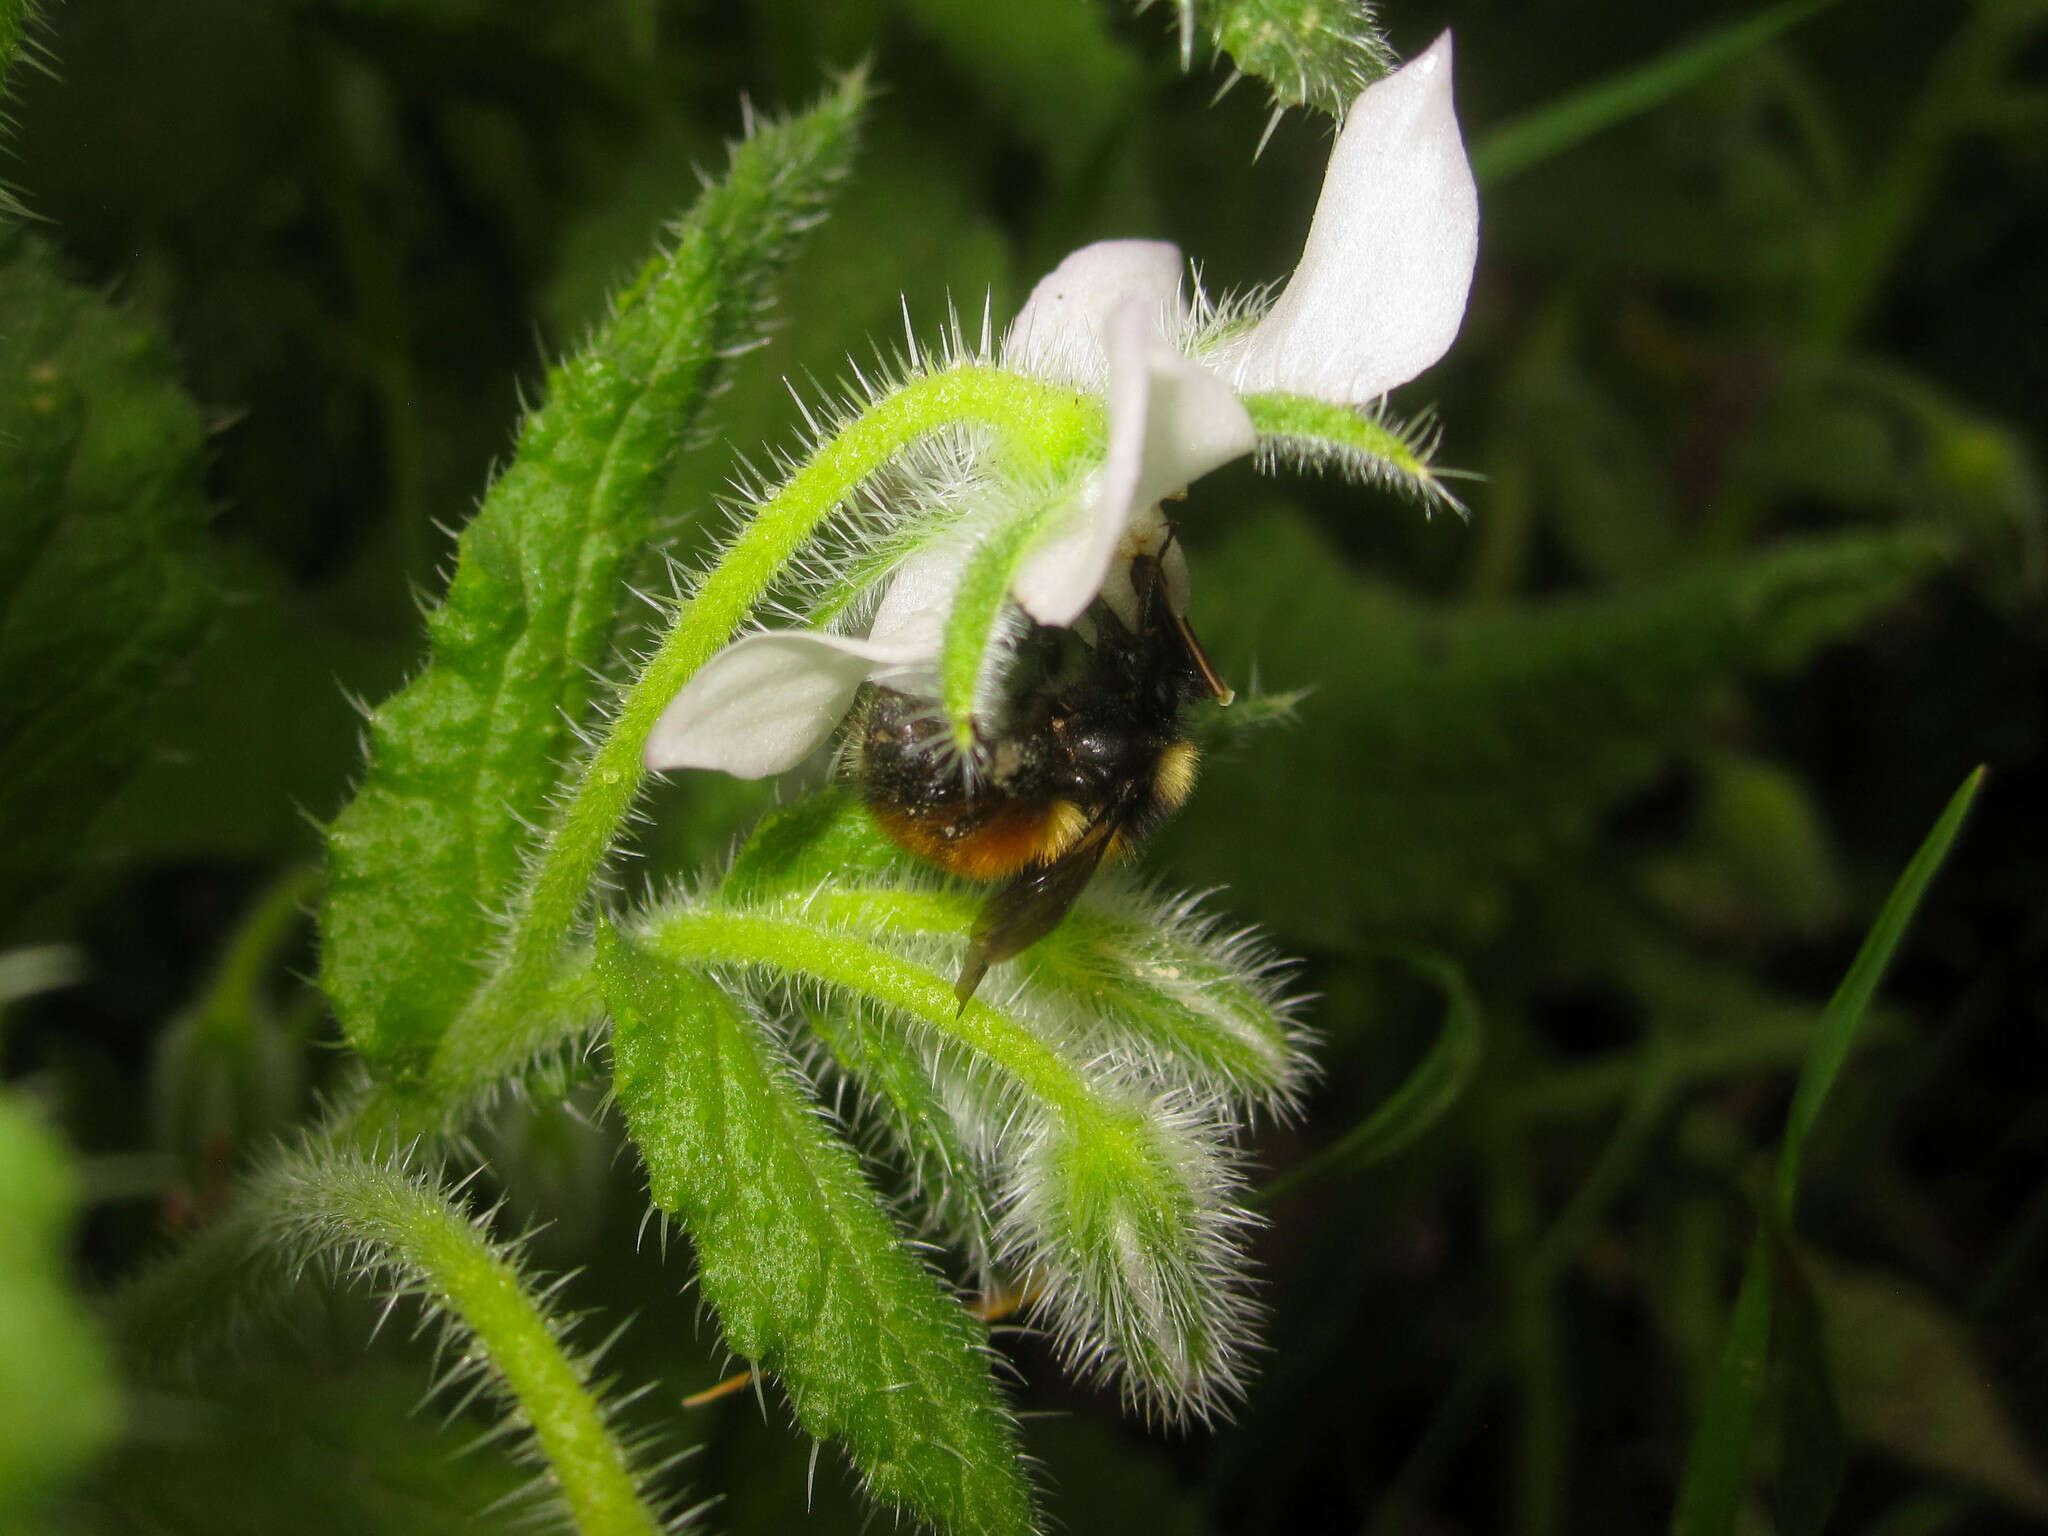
x: 913, y: 611
x: 764, y: 703
x: 1171, y: 421
x: 1058, y: 334
x: 910, y: 623
x: 1381, y: 286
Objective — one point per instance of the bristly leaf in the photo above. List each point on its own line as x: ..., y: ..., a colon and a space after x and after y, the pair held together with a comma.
x: 15, y: 16
x: 105, y: 581
x: 810, y: 1279
x: 466, y: 759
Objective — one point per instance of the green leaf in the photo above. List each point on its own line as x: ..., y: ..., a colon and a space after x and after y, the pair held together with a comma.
x: 14, y: 18
x: 17, y: 25
x: 1912, y: 1380
x: 809, y: 1278
x: 466, y: 759
x: 104, y: 578
x: 1757, y: 854
x: 1512, y: 148
x: 947, y: 1180
x: 823, y: 837
x: 58, y: 1404
x: 1874, y: 438
x: 1476, y: 746
x: 1438, y: 1082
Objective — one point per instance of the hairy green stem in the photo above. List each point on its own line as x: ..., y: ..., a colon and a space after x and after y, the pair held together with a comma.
x: 327, y: 1199
x: 418, y: 1233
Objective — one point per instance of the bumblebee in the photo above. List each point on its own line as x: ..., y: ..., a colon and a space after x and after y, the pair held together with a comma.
x: 1089, y: 758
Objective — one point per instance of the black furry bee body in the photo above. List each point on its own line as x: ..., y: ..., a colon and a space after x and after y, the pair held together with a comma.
x: 1089, y: 758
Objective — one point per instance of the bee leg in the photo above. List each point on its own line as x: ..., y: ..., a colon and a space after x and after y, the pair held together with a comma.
x: 1030, y: 905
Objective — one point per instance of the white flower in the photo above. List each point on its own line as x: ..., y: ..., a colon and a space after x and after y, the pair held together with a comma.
x: 1377, y: 296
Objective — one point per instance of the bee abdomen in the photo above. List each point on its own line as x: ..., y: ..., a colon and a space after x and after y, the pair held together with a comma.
x: 983, y: 840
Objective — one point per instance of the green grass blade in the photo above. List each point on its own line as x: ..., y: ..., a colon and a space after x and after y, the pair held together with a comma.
x: 1812, y: 1453
x: 1435, y: 1085
x: 1845, y: 1010
x: 1512, y: 148
x: 1717, y: 1468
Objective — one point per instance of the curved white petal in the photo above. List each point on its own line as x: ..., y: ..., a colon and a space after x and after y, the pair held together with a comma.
x: 1382, y: 282
x: 1059, y: 333
x: 1171, y: 421
x: 764, y: 703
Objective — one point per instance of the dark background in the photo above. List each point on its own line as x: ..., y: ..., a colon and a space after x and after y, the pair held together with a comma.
x: 1562, y: 742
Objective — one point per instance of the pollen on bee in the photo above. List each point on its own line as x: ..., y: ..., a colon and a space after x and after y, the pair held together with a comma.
x: 1174, y: 778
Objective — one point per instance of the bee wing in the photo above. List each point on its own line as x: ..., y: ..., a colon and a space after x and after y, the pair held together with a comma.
x: 1030, y: 905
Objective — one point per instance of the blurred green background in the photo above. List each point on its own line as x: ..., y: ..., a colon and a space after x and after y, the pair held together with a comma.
x: 1755, y: 381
